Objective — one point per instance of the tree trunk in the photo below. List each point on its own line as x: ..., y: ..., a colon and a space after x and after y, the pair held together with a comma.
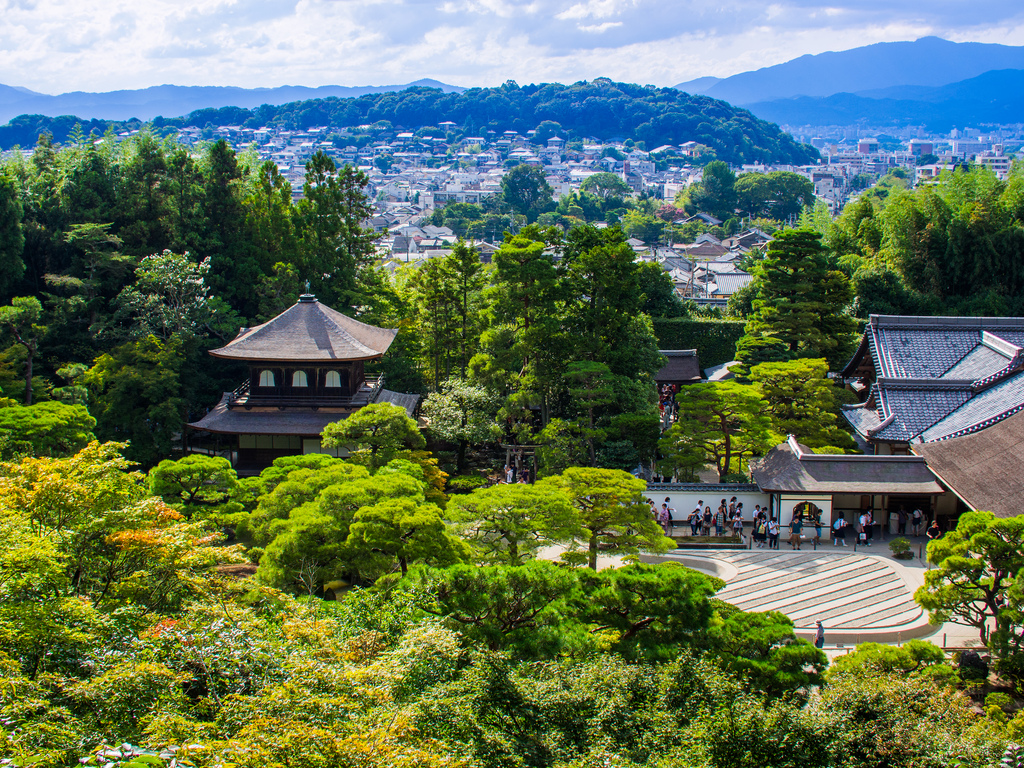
x: 28, y: 374
x: 592, y: 563
x: 460, y: 460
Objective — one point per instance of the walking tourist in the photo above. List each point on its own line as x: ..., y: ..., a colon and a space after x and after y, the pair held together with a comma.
x: 819, y: 636
x: 706, y: 521
x: 864, y: 531
x: 695, y: 517
x: 839, y: 532
x: 760, y: 531
x: 916, y: 520
x: 737, y: 526
x: 720, y: 517
x: 773, y: 533
x: 796, y: 527
x: 901, y: 521
x: 663, y: 518
x: 934, y: 532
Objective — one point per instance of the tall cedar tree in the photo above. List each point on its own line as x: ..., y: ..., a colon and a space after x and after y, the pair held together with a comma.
x: 799, y: 305
x: 335, y: 246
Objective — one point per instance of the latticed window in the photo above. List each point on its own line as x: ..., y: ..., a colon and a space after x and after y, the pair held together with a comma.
x: 333, y: 379
x: 267, y: 379
x: 299, y: 379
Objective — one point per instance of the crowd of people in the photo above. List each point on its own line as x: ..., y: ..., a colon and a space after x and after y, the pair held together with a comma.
x: 667, y: 404
x: 805, y: 525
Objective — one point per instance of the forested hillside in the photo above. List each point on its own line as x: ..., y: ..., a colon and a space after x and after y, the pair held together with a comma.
x: 600, y: 109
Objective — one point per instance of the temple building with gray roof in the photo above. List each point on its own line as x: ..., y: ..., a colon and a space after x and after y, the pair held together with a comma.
x: 928, y: 379
x: 306, y: 370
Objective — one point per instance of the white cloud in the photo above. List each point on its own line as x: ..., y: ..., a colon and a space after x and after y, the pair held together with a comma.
x: 59, y: 45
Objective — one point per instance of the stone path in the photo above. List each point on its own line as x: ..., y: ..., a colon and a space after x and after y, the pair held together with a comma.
x: 857, y: 597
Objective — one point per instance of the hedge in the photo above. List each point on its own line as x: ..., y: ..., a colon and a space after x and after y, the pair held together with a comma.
x: 714, y: 340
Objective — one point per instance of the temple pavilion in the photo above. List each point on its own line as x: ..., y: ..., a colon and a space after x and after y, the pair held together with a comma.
x: 306, y: 370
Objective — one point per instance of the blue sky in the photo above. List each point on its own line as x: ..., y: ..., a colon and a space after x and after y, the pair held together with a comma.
x: 54, y: 46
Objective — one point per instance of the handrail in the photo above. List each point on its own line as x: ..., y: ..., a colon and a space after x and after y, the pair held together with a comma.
x: 364, y: 395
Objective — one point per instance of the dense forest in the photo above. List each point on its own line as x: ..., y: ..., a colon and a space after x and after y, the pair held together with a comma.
x: 122, y: 264
x: 599, y: 109
x: 394, y: 608
x: 133, y: 633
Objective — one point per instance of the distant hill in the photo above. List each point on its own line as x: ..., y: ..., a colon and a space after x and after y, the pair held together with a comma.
x: 993, y: 97
x: 929, y: 61
x: 601, y: 108
x: 699, y: 85
x: 172, y: 100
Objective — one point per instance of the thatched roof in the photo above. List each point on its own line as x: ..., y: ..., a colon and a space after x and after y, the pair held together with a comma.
x: 309, y: 332
x: 791, y: 467
x: 985, y: 469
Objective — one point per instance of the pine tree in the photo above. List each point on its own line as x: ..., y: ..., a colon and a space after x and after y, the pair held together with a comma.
x: 799, y: 305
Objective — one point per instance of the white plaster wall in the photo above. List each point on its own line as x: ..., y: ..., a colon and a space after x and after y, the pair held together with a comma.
x: 683, y: 502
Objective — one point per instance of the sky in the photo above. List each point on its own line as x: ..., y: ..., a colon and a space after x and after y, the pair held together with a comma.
x: 55, y: 46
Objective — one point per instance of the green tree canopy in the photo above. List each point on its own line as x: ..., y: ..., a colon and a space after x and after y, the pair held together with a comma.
x: 799, y: 302
x: 527, y: 191
x: 376, y: 433
x: 773, y: 195
x: 977, y: 566
x: 509, y: 523
x: 802, y: 401
x: 717, y: 423
x: 611, y: 510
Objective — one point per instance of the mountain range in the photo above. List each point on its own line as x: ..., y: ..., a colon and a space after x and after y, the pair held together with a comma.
x: 173, y: 100
x: 931, y: 82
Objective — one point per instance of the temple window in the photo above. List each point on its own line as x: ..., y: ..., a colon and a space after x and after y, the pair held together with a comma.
x: 299, y: 379
x: 333, y: 379
x: 267, y: 379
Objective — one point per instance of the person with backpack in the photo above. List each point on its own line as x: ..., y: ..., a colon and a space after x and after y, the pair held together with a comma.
x: 706, y: 521
x: 916, y: 521
x: 760, y: 531
x: 695, y: 518
x: 839, y: 532
x: 901, y: 521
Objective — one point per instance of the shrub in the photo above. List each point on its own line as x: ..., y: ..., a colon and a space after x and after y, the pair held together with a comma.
x: 464, y: 483
x: 900, y: 549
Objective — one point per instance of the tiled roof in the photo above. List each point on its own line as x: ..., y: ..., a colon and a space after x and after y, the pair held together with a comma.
x: 979, y: 363
x: 309, y: 332
x: 862, y: 418
x: 939, y: 377
x: 921, y: 354
x: 916, y: 407
x: 985, y: 408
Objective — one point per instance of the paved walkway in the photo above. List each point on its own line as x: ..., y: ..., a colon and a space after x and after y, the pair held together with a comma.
x: 858, y: 597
